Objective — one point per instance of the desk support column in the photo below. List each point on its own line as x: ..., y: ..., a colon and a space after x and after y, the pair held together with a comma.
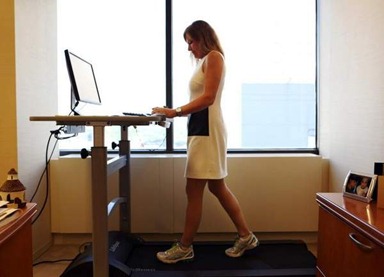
x: 99, y: 205
x: 125, y: 182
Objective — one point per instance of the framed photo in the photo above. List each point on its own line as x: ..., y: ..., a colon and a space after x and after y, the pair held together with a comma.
x: 359, y: 186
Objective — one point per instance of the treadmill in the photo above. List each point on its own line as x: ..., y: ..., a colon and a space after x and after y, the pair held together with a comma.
x: 130, y: 255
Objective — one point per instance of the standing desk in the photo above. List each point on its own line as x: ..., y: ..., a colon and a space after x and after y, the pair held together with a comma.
x: 101, y: 168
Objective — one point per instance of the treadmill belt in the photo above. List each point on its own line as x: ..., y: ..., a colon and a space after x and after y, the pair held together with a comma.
x: 270, y: 258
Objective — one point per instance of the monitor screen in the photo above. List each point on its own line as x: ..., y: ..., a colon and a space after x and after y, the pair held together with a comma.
x: 83, y: 82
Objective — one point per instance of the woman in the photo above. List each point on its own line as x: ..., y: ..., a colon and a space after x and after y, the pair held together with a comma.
x: 206, y: 145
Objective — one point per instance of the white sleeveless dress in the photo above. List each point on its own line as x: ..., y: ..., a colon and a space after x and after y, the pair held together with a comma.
x: 207, y: 134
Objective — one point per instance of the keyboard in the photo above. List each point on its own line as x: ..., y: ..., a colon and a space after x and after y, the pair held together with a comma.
x: 136, y: 114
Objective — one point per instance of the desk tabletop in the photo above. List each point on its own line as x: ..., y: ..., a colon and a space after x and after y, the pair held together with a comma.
x: 16, y: 221
x: 365, y: 216
x: 122, y: 120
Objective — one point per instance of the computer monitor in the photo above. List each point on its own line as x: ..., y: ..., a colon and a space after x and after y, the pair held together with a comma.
x: 83, y: 81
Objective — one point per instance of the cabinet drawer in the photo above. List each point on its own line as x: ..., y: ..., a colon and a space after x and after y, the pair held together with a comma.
x: 344, y: 251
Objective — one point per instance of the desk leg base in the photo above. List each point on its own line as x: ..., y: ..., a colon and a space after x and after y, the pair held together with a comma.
x: 120, y: 247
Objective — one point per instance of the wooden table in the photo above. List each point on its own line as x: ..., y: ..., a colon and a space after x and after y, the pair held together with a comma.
x: 350, y: 237
x: 16, y: 257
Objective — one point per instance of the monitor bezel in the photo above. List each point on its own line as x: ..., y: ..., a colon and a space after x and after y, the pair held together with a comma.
x: 72, y: 77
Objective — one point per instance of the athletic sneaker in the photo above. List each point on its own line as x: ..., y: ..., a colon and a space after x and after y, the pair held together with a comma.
x: 175, y: 254
x: 242, y: 244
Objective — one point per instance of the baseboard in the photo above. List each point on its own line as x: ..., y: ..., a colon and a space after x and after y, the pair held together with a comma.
x: 42, y: 250
x: 78, y: 239
x: 71, y: 239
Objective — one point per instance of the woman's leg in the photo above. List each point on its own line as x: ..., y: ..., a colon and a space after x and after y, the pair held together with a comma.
x: 195, y: 192
x: 246, y: 239
x: 183, y: 251
x: 230, y: 204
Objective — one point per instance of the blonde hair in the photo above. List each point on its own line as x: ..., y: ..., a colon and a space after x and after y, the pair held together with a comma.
x: 205, y: 35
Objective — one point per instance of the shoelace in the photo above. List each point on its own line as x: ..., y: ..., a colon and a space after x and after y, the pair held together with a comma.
x: 239, y: 242
x: 175, y: 247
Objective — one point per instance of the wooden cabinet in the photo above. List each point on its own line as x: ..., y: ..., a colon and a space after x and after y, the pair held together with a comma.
x: 16, y: 244
x: 350, y: 237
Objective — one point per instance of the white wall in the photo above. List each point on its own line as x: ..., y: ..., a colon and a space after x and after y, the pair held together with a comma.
x: 36, y: 92
x: 351, y: 81
x: 277, y: 194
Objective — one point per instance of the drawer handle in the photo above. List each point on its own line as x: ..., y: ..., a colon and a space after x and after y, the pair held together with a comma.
x: 363, y: 246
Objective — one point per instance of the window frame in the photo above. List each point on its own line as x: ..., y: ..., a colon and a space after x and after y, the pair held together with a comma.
x: 169, y: 140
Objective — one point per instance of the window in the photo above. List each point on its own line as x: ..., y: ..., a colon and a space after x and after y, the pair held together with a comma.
x: 125, y: 43
x: 269, y: 101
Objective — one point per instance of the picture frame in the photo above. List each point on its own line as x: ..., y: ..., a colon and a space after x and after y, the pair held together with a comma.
x: 359, y: 186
